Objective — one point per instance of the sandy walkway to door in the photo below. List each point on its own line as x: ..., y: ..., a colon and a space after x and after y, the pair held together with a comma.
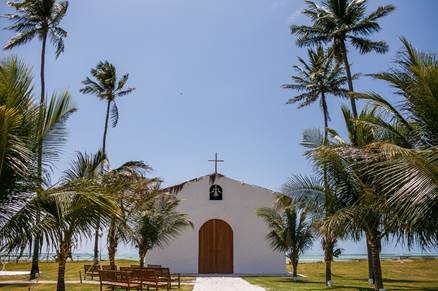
x: 224, y: 284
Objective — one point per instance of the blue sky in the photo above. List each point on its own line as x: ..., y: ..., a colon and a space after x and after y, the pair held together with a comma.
x: 208, y: 76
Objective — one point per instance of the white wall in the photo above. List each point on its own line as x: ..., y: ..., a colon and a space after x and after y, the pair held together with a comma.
x: 252, y: 253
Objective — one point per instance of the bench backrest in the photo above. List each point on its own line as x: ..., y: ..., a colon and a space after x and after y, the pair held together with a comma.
x: 154, y: 266
x: 107, y: 267
x: 144, y: 275
x: 115, y: 276
x: 91, y: 268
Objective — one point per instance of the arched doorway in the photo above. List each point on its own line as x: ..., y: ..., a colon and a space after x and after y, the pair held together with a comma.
x: 215, y: 248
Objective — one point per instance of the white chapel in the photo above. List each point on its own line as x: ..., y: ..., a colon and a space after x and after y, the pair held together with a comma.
x: 228, y: 237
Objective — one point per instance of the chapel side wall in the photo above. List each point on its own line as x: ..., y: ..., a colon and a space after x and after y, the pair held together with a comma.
x: 252, y: 253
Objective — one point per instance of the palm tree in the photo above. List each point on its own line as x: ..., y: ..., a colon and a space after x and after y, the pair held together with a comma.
x: 339, y: 21
x: 18, y: 122
x: 38, y: 18
x: 130, y: 189
x: 321, y: 202
x: 411, y: 154
x: 316, y: 78
x: 107, y: 88
x: 363, y: 201
x: 157, y: 223
x: 290, y: 229
x: 67, y: 213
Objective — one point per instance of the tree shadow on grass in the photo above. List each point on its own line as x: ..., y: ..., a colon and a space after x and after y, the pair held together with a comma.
x: 409, y: 281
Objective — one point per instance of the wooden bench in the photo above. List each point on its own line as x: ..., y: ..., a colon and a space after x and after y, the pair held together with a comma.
x: 119, y: 279
x: 149, y: 278
x: 165, y: 273
x: 91, y: 270
x: 107, y: 267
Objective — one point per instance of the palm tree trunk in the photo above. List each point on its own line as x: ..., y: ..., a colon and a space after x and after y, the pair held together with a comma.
x: 96, y: 235
x: 328, y: 251
x: 327, y: 242
x: 294, y: 269
x: 375, y: 252
x: 370, y: 262
x: 36, y: 248
x: 62, y: 259
x: 105, y: 131
x: 142, y: 254
x: 349, y: 78
x: 35, y: 270
x: 325, y: 113
x: 112, y: 244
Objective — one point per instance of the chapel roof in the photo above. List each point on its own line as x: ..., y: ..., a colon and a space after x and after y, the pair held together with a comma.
x: 174, y: 189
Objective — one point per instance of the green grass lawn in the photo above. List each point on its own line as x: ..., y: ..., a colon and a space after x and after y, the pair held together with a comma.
x: 49, y: 272
x: 398, y: 275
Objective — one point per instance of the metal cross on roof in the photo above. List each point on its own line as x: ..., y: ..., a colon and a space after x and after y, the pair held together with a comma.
x: 215, y: 162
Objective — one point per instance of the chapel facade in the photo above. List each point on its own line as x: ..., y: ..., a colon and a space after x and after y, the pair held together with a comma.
x: 228, y: 237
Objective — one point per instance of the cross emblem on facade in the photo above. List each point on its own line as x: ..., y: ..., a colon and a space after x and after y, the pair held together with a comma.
x: 215, y: 162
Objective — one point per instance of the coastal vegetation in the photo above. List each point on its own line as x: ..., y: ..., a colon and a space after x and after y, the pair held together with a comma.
x: 378, y: 182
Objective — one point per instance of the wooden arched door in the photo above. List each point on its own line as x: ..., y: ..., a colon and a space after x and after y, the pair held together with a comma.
x: 215, y: 248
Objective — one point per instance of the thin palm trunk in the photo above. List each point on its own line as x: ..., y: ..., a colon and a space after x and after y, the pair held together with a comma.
x: 112, y: 244
x: 349, y: 78
x: 105, y: 131
x: 325, y: 112
x: 375, y: 252
x: 36, y: 249
x: 327, y: 242
x: 96, y: 235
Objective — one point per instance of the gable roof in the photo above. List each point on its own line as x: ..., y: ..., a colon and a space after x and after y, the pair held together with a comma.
x: 174, y: 189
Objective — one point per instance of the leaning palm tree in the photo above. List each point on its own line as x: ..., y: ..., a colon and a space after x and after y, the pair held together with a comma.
x: 107, y: 88
x: 38, y: 18
x: 157, y: 223
x: 339, y: 22
x: 290, y: 229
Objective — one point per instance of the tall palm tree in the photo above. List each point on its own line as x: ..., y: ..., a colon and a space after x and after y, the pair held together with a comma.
x: 315, y: 79
x: 38, y: 18
x: 338, y: 22
x: 157, y: 223
x: 108, y: 88
x: 290, y: 229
